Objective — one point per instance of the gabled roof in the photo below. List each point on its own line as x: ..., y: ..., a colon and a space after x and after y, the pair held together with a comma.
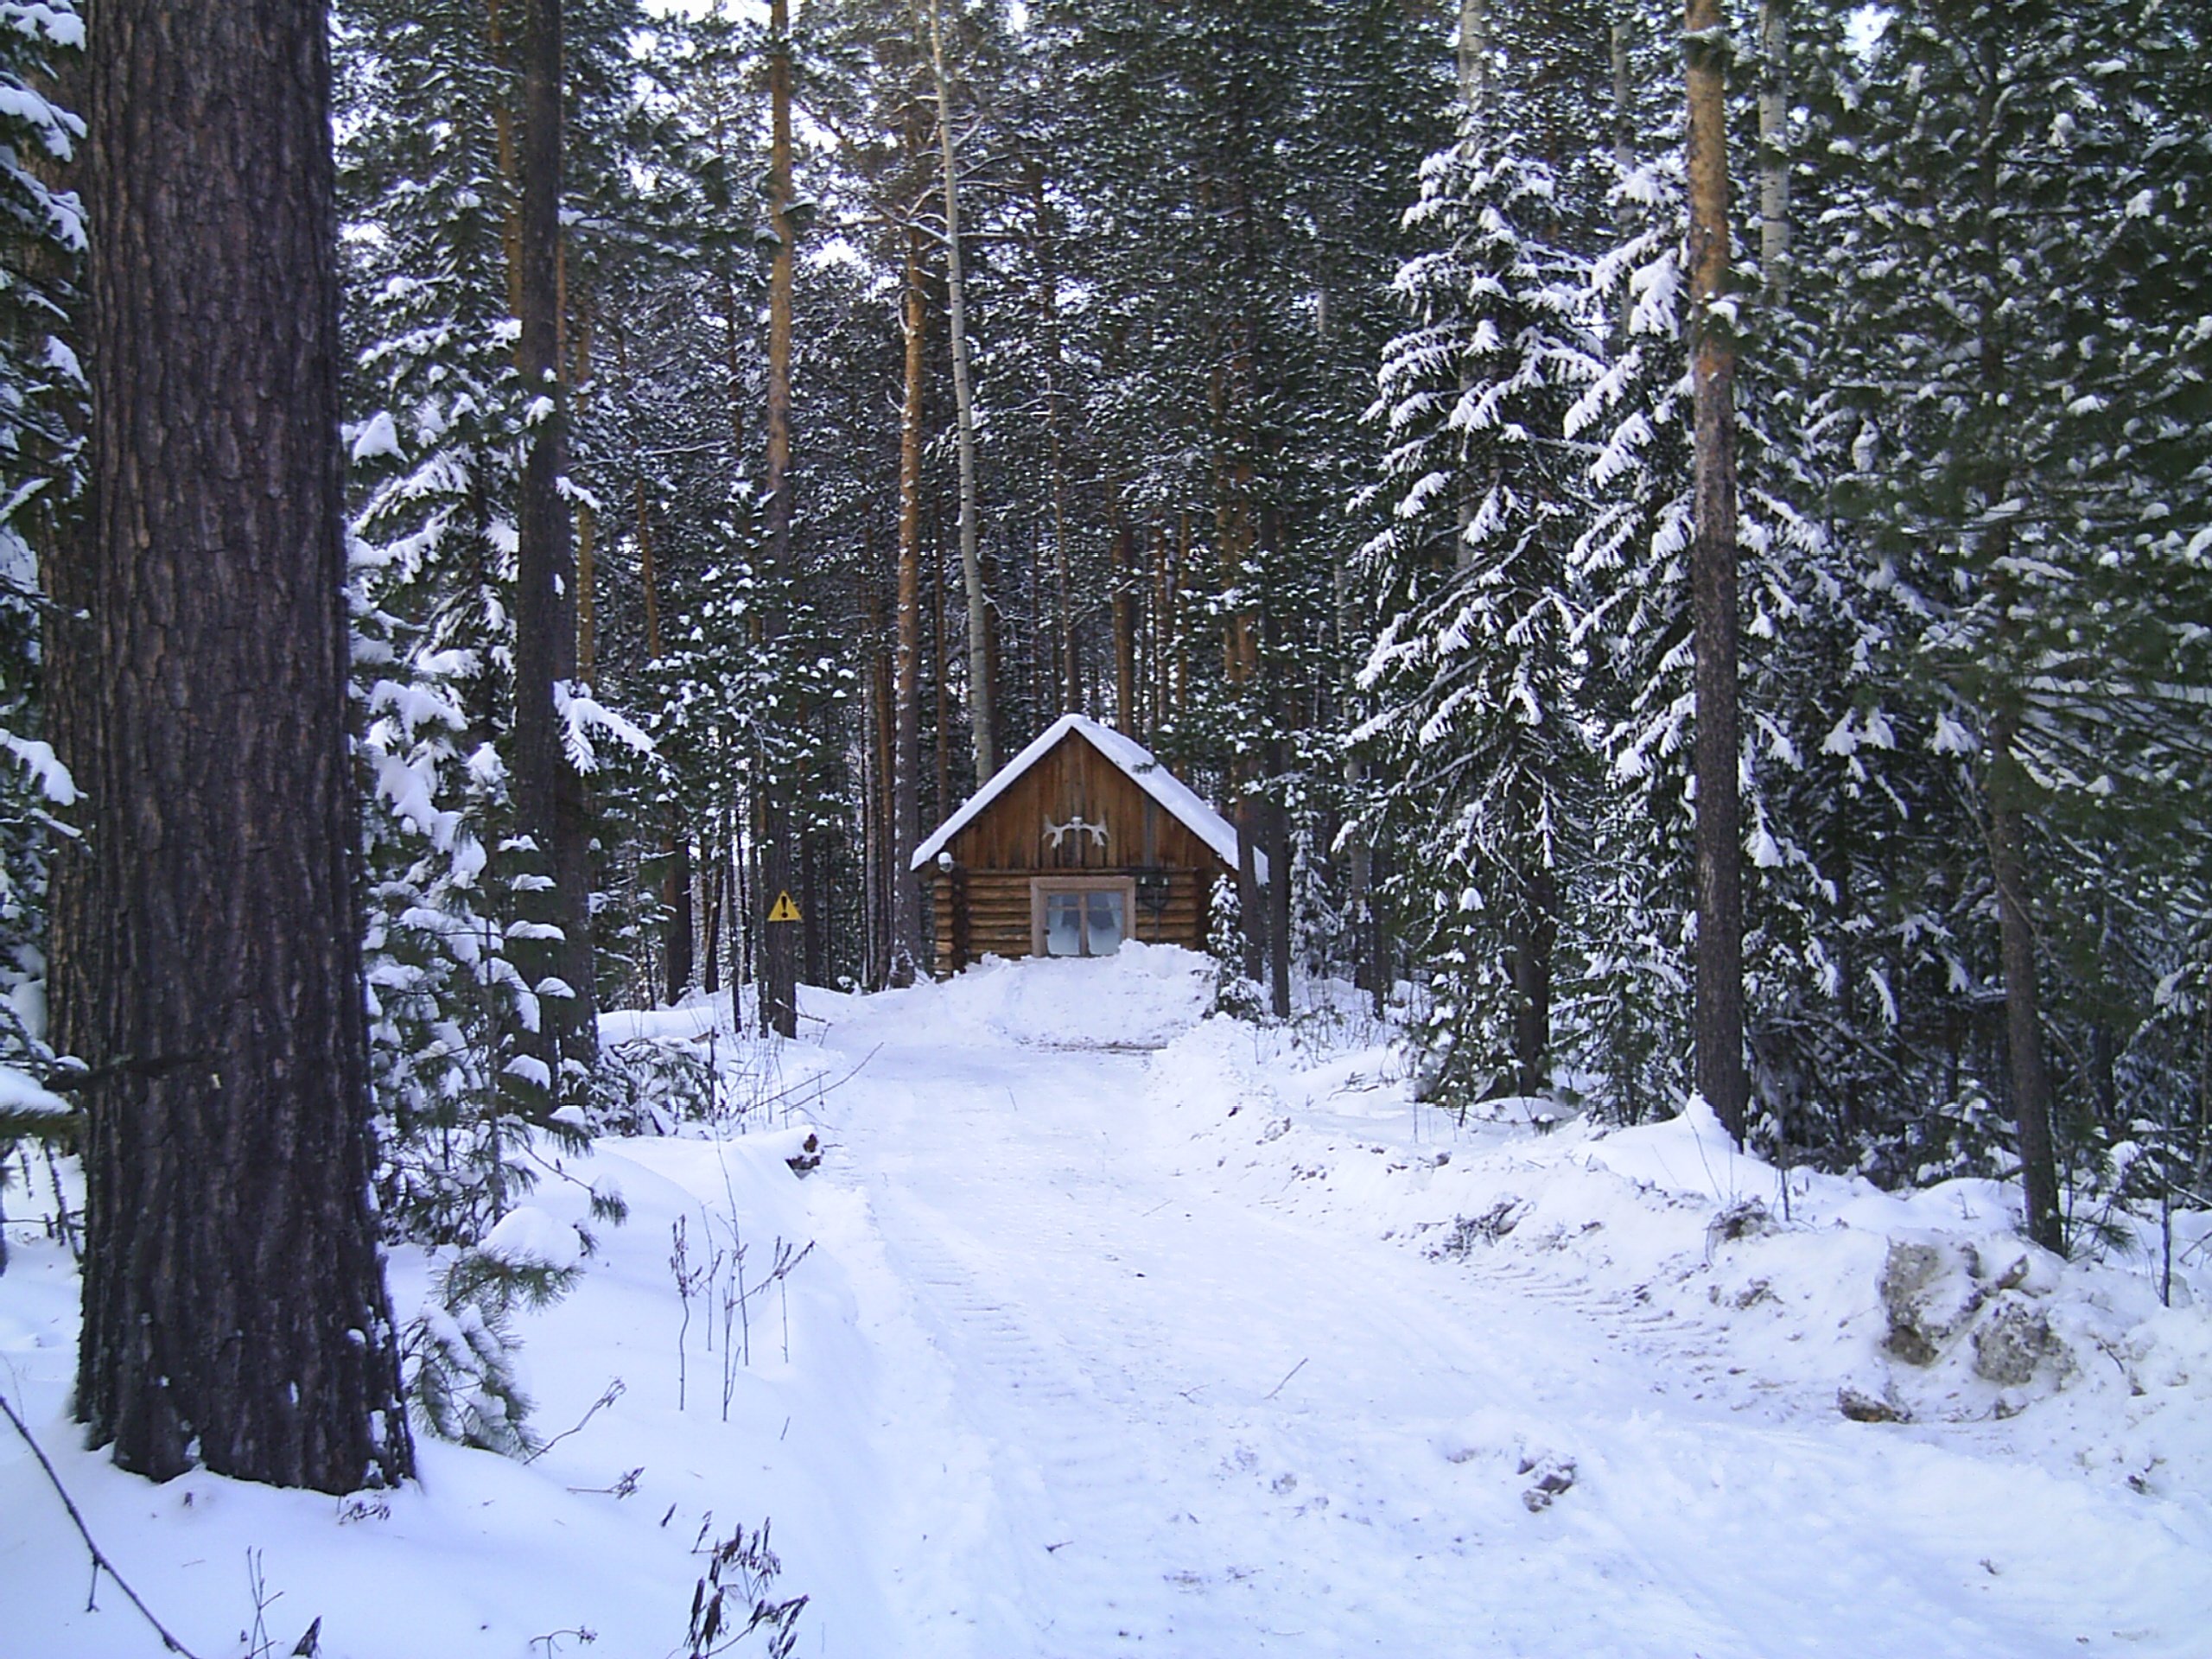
x: 1133, y: 760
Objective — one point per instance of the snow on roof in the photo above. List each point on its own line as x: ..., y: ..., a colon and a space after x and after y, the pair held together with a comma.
x: 1133, y: 760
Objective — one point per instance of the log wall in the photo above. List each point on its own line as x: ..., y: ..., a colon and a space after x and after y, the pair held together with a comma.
x: 981, y: 905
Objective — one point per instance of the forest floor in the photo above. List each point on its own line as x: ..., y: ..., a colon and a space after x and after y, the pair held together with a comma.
x: 1127, y: 1330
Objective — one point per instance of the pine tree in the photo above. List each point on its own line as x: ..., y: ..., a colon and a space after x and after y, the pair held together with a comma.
x: 2012, y: 499
x: 1473, y: 671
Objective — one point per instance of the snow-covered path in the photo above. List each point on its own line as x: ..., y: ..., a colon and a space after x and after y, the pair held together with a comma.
x: 1153, y: 1414
x: 1212, y: 1351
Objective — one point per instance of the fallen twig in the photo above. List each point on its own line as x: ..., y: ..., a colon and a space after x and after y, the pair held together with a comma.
x: 1287, y: 1374
x: 100, y: 1562
x: 790, y: 1088
x: 614, y: 1391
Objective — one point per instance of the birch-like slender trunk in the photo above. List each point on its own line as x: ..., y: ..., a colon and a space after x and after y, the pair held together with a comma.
x: 907, y: 747
x: 1719, y: 998
x: 964, y: 402
x: 1068, y: 671
x: 1774, y: 150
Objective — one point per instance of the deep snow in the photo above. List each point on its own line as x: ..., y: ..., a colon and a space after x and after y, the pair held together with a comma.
x: 1130, y: 1330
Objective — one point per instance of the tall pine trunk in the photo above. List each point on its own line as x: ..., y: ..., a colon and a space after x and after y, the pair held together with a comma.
x: 1719, y: 998
x: 551, y: 801
x: 906, y: 750
x: 781, y: 940
x: 235, y: 1306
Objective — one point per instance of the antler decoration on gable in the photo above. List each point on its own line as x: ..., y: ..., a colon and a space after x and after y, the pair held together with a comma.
x: 1054, y: 832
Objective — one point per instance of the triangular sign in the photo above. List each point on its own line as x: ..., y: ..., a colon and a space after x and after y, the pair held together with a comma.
x: 783, y: 910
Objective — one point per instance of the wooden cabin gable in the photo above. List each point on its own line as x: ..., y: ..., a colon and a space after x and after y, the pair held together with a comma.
x: 1075, y: 810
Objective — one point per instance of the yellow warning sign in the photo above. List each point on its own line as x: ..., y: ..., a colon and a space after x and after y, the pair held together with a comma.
x: 783, y: 910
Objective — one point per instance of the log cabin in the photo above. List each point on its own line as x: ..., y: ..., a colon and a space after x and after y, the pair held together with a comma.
x: 1080, y: 842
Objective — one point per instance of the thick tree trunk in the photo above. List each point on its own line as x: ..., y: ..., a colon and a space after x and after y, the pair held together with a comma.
x: 677, y: 941
x: 979, y: 713
x: 1535, y: 934
x: 906, y: 948
x: 235, y: 1310
x: 884, y: 875
x: 551, y: 801
x: 1719, y: 1011
x: 780, y: 941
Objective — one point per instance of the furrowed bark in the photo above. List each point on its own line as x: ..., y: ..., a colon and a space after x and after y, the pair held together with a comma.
x: 234, y: 1307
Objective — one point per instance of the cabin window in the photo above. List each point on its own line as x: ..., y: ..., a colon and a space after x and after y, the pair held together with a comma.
x: 1085, y: 916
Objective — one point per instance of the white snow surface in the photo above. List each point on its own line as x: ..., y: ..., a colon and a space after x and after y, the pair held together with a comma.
x: 1224, y: 1348
x: 1131, y: 757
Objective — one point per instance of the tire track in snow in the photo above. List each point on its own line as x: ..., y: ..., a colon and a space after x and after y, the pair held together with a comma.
x: 1692, y: 1349
x: 1122, y: 1337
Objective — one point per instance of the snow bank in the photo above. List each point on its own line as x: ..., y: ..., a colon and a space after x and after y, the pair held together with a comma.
x: 1799, y: 1294
x: 485, y: 1553
x: 1143, y: 997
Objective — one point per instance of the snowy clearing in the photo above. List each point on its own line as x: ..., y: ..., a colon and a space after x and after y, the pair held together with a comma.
x: 1219, y: 1348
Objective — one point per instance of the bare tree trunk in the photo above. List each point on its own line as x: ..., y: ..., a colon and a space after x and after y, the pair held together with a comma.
x: 2029, y: 1075
x: 906, y: 757
x: 235, y: 1306
x: 1624, y: 141
x: 1277, y: 892
x: 780, y: 939
x: 1474, y: 48
x: 1535, y: 933
x: 1125, y: 630
x: 1720, y: 1000
x: 2009, y: 788
x: 587, y: 519
x: 717, y: 882
x: 980, y: 715
x: 879, y: 837
x: 1774, y: 150
x: 678, y: 935
x: 1071, y: 697
x: 942, y: 688
x: 549, y: 797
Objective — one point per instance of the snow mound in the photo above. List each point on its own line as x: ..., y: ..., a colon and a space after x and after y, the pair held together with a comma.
x: 1143, y: 997
x: 527, y: 1237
